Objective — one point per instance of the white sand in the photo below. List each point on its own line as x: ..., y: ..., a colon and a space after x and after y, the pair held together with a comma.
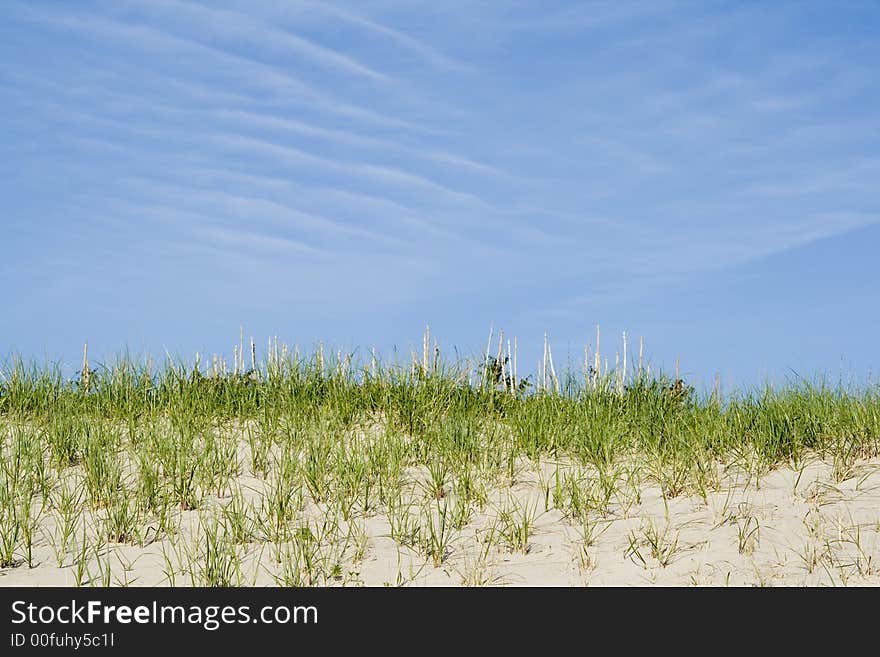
x: 787, y: 528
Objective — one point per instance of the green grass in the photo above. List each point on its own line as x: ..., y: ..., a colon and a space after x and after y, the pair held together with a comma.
x: 124, y: 458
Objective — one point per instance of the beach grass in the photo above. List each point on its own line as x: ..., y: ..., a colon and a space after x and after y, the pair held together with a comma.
x: 275, y: 469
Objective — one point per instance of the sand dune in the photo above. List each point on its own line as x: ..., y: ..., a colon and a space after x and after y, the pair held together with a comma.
x: 788, y: 527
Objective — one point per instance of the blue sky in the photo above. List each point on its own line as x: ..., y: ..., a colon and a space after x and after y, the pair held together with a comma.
x: 703, y: 174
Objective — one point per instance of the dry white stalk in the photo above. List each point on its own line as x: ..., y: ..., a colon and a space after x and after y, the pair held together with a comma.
x: 598, y: 368
x: 641, y: 352
x: 85, y: 366
x: 485, y: 372
x: 426, y: 344
x: 240, y: 363
x: 623, y: 378
x: 587, y: 364
x: 514, y: 364
x: 503, y: 372
x: 498, y: 361
x: 511, y: 383
x: 616, y: 376
x: 544, y: 366
x: 552, y: 369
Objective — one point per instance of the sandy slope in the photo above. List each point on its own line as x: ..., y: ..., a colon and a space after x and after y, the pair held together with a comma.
x: 786, y: 528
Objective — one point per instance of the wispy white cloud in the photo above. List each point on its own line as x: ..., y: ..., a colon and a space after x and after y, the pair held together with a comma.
x: 299, y: 127
x: 675, y: 257
x: 383, y: 174
x: 368, y: 25
x: 461, y: 162
x: 399, y: 218
x: 242, y: 70
x: 841, y: 181
x: 200, y: 228
x: 585, y: 16
x: 394, y: 176
x: 250, y: 240
x: 257, y: 119
x: 123, y: 103
x: 210, y: 23
x: 638, y: 159
x: 253, y: 209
